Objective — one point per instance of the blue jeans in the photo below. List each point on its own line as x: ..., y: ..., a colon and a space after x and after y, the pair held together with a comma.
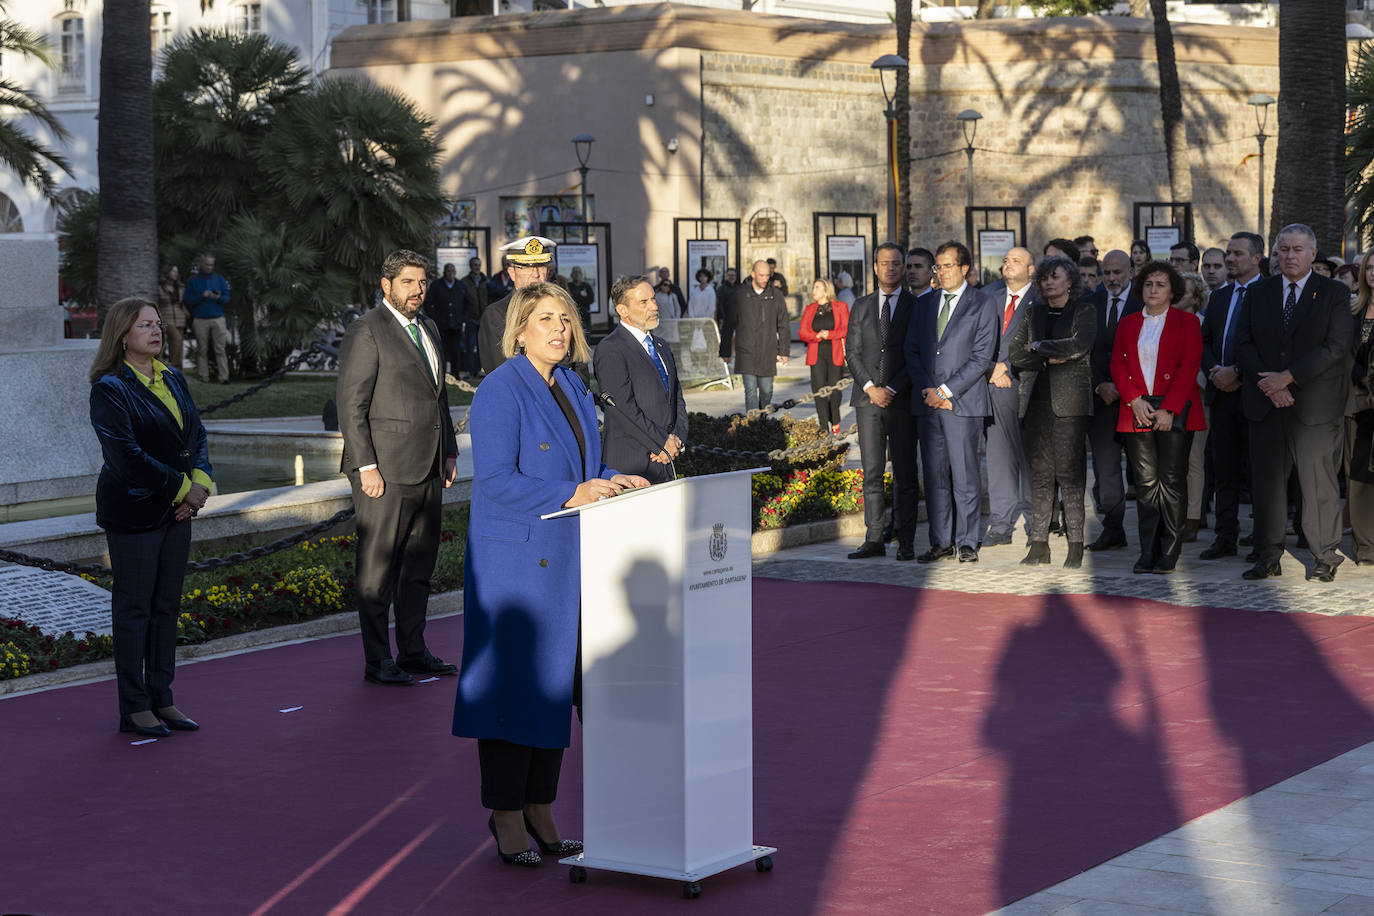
x: 758, y: 391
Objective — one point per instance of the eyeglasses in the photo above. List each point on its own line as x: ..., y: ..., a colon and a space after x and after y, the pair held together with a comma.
x: 1183, y: 260
x: 150, y: 325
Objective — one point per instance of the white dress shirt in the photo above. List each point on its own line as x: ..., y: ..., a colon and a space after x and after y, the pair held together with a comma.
x: 1147, y: 346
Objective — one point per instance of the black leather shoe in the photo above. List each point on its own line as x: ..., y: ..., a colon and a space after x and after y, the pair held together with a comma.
x: 996, y: 540
x: 869, y: 549
x: 526, y: 857
x: 561, y: 848
x: 1039, y: 553
x: 936, y: 553
x: 906, y: 552
x: 968, y: 555
x: 148, y: 731
x: 1075, y: 558
x: 1262, y: 571
x: 1108, y: 541
x: 430, y: 664
x: 184, y: 724
x: 389, y: 674
x: 1218, y: 550
x: 1143, y: 565
x: 1165, y: 565
x: 1322, y: 572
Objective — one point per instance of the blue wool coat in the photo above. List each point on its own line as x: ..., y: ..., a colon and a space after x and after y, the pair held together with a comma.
x: 522, y: 574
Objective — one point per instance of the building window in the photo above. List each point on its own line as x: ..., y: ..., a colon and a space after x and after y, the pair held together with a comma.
x: 71, y: 54
x: 248, y: 17
x: 767, y: 225
x: 381, y: 11
x: 10, y: 220
x: 160, y: 31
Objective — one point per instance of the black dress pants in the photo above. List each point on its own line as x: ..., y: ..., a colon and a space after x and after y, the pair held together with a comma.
x: 884, y: 429
x: 516, y: 775
x: 398, y: 543
x: 1055, y: 448
x: 1159, y: 461
x: 824, y: 374
x: 452, y: 339
x: 149, y: 569
x: 1226, y: 442
x: 1109, y: 489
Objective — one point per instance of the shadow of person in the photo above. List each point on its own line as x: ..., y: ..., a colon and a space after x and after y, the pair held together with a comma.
x: 1080, y: 786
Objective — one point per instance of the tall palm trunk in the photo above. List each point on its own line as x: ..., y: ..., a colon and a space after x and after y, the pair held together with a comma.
x: 1171, y: 108
x: 903, y: 106
x: 987, y: 9
x: 127, y: 251
x: 1309, y: 169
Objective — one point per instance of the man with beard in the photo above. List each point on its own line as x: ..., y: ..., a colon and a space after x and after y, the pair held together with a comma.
x: 399, y: 446
x: 638, y: 371
x: 527, y: 261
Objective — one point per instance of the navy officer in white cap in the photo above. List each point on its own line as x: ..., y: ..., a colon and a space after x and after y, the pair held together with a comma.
x: 526, y: 261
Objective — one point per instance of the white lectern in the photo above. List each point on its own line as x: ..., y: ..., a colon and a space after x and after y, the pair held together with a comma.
x: 667, y: 692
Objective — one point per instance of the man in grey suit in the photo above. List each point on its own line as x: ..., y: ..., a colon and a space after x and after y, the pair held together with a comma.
x: 399, y: 446
x: 1009, y: 488
x: 1293, y: 346
x: 638, y: 371
x: 882, y: 403
x: 950, y: 350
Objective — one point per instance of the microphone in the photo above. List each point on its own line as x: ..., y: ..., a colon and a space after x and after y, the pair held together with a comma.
x: 608, y: 404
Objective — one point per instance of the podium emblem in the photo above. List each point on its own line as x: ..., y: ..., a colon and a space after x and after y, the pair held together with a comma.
x: 718, y: 541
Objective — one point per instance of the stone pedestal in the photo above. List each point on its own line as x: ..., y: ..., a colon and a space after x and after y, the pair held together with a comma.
x: 49, y: 449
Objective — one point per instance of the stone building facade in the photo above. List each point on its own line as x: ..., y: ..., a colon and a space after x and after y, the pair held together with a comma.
x: 725, y: 114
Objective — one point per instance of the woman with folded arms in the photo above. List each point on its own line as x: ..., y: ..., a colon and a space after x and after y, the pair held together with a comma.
x: 1155, y: 362
x: 156, y: 476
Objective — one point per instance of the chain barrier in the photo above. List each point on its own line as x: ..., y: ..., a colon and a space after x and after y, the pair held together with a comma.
x: 811, y: 449
x: 290, y: 365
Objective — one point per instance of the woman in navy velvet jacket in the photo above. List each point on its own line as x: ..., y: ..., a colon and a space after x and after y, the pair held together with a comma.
x: 155, y: 477
x: 535, y: 450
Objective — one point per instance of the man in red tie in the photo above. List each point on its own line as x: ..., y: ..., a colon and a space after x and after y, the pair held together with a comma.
x: 1008, y: 468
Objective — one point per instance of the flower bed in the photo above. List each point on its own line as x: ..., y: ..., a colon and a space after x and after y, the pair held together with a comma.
x: 806, y: 496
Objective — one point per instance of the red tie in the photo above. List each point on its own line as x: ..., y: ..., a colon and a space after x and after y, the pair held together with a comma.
x: 1011, y: 310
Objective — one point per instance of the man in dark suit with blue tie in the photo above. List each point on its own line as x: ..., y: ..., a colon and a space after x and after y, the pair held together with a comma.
x: 882, y: 403
x: 1009, y: 490
x: 1293, y: 345
x: 638, y: 371
x: 1109, y: 485
x: 1226, y: 424
x: 950, y: 349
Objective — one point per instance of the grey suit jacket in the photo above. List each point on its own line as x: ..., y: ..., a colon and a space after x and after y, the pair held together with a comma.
x: 391, y: 411
x: 960, y: 358
x: 997, y: 292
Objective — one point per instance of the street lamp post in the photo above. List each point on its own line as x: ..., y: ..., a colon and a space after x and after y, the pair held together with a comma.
x: 582, y: 145
x: 968, y: 120
x: 1261, y: 103
x: 890, y: 63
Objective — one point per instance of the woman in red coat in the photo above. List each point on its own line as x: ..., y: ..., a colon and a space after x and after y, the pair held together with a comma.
x: 1155, y: 362
x: 823, y: 325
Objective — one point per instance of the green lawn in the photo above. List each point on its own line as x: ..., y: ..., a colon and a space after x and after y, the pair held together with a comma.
x: 292, y: 396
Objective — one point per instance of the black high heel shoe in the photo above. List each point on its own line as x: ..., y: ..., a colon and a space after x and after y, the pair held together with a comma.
x: 561, y: 848
x: 526, y: 857
x: 148, y: 731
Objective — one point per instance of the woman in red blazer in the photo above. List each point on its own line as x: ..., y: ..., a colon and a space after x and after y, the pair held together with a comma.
x: 823, y: 325
x: 1155, y: 362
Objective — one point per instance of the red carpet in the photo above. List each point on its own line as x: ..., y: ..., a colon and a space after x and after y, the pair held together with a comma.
x: 916, y: 752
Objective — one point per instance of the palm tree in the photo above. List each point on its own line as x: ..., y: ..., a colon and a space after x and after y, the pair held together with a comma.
x: 1308, y: 168
x: 26, y: 156
x: 1171, y: 108
x: 1359, y: 143
x: 127, y: 254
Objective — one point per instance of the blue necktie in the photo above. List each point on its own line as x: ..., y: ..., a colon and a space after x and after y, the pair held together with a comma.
x: 1228, y: 349
x: 658, y: 363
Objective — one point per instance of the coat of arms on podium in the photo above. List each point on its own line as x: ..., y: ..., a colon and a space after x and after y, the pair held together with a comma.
x: 718, y: 541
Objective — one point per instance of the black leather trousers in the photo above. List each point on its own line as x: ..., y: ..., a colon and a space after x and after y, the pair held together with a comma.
x: 1159, y: 462
x: 1055, y: 448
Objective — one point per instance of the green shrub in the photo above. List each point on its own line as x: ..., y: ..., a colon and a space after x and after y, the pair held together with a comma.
x: 759, y: 434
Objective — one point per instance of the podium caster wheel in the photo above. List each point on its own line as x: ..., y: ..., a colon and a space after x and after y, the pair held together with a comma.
x: 577, y: 874
x: 691, y: 890
x: 764, y: 864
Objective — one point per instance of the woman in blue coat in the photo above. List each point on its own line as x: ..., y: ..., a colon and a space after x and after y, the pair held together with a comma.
x: 535, y: 450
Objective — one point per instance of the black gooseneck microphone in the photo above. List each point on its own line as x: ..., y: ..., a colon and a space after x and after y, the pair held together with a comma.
x: 644, y: 439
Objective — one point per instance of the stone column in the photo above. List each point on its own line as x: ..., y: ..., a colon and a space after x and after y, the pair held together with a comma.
x: 48, y: 450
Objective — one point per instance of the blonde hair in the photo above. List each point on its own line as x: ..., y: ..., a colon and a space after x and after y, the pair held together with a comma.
x: 1362, y: 300
x: 1198, y: 287
x: 119, y: 321
x: 828, y: 287
x: 522, y: 304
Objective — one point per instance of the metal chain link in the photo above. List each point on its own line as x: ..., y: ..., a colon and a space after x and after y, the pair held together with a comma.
x: 781, y: 454
x: 290, y: 365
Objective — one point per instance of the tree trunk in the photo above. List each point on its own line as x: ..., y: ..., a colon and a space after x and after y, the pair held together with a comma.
x: 127, y: 251
x: 903, y: 106
x: 1309, y: 168
x: 1171, y: 108
x: 987, y: 9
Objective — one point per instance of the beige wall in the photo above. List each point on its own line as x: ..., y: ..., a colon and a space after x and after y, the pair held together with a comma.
x: 793, y: 118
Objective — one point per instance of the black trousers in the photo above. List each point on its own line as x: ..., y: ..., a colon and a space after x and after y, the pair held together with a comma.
x: 398, y: 543
x: 1109, y: 489
x: 452, y: 339
x: 1226, y: 442
x: 1159, y: 461
x: 516, y: 775
x: 149, y: 569
x: 1057, y: 455
x: 884, y: 429
x: 1279, y: 445
x: 1359, y: 481
x: 823, y: 374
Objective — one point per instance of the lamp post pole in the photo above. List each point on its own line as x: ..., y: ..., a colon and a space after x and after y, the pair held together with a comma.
x: 582, y: 145
x: 890, y: 63
x: 1261, y: 103
x: 968, y: 121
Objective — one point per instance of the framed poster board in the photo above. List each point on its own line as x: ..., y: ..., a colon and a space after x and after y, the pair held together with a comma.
x: 847, y: 254
x: 993, y: 244
x: 713, y: 254
x: 457, y: 255
x: 1161, y: 239
x: 586, y: 257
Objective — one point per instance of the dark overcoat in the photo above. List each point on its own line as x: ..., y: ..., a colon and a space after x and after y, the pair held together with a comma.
x: 522, y: 574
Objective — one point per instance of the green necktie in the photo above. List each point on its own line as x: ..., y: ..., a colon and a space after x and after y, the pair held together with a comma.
x: 943, y: 318
x: 424, y: 357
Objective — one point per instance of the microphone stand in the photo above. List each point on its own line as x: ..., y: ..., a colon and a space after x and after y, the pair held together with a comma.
x: 608, y: 404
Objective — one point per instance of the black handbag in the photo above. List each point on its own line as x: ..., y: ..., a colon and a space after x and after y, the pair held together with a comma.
x: 1157, y: 402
